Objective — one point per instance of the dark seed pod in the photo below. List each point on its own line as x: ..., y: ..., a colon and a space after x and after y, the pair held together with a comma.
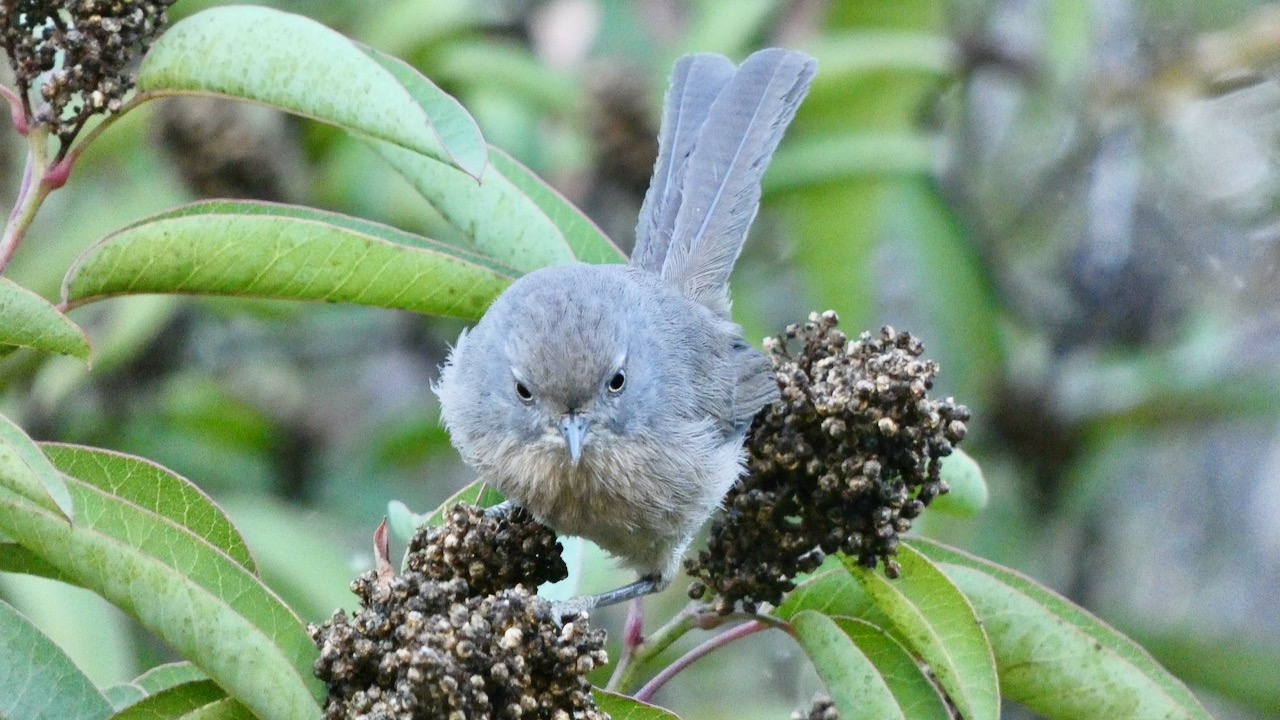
x: 843, y: 462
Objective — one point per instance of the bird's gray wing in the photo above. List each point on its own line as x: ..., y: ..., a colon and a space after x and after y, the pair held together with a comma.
x: 720, y: 192
x: 756, y: 385
x: 696, y: 80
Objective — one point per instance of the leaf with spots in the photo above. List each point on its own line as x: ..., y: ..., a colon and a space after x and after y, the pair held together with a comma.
x: 265, y: 250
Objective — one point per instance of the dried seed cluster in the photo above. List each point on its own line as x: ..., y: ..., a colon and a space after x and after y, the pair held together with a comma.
x: 87, y: 48
x: 458, y: 635
x: 841, y: 463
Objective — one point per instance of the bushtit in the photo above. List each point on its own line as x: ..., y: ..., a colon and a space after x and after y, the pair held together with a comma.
x: 611, y: 401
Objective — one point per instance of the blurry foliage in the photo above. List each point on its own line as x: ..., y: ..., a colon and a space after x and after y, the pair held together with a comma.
x: 1072, y: 204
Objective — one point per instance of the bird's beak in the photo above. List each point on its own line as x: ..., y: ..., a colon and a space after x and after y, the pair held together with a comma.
x: 574, y: 428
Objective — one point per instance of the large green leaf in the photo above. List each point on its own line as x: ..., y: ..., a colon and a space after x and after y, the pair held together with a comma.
x: 250, y: 249
x: 940, y: 625
x: 298, y: 65
x: 155, y: 680
x: 173, y: 702
x: 1056, y: 658
x: 16, y: 559
x: 37, y: 680
x: 28, y: 320
x: 154, y: 488
x: 25, y: 470
x: 853, y: 681
x: 830, y: 592
x: 187, y: 591
x: 497, y: 218
x: 621, y: 707
x: 587, y: 241
x: 912, y: 689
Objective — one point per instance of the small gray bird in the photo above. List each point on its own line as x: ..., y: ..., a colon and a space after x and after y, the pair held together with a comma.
x: 611, y: 401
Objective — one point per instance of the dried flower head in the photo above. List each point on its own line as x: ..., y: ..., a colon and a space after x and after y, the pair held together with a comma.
x: 841, y: 463
x: 80, y: 52
x: 458, y: 635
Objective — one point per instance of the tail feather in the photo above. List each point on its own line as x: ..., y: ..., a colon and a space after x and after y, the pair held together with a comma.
x: 696, y: 80
x: 720, y: 192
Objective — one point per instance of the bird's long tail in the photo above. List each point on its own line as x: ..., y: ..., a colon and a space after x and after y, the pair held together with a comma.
x: 720, y: 127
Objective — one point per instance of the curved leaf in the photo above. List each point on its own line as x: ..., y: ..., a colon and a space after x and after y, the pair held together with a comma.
x: 152, y: 487
x: 456, y: 128
x: 500, y: 221
x: 940, y: 625
x: 1056, y: 658
x: 28, y: 320
x: 914, y: 692
x: 191, y: 594
x: 585, y: 238
x: 253, y: 249
x: 25, y: 470
x: 173, y: 702
x: 292, y: 63
x: 621, y: 707
x: 830, y: 592
x: 157, y: 679
x: 37, y: 680
x: 855, y: 685
x: 16, y: 559
x: 967, y: 491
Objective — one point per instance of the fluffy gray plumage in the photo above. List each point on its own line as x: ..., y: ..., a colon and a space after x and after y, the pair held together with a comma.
x: 611, y: 401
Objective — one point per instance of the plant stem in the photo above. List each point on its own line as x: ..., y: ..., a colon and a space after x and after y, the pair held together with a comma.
x: 713, y: 643
x: 31, y: 194
x: 634, y: 657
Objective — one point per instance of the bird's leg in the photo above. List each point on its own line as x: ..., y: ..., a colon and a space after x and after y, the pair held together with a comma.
x: 502, y: 509
x: 644, y: 586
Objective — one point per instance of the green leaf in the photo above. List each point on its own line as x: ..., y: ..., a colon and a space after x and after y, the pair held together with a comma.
x: 587, y: 241
x: 227, y: 709
x: 28, y: 320
x: 154, y: 488
x: 250, y: 249
x: 966, y: 486
x: 403, y: 522
x: 188, y: 592
x: 25, y: 470
x: 854, y: 683
x: 478, y: 492
x: 1056, y: 658
x: 173, y: 702
x: 298, y: 65
x: 497, y: 219
x: 621, y: 707
x: 915, y: 694
x: 455, y: 127
x: 163, y: 677
x: 16, y: 559
x: 37, y: 680
x: 940, y: 625
x: 830, y: 592
x: 155, y: 680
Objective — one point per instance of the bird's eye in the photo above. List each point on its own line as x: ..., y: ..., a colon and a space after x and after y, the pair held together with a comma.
x: 523, y: 392
x: 617, y: 382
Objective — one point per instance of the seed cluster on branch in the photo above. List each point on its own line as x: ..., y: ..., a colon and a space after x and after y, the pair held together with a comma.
x: 80, y: 52
x: 460, y: 634
x: 843, y: 462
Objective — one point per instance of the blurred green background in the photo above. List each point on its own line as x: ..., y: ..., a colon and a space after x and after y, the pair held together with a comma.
x: 1072, y: 204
